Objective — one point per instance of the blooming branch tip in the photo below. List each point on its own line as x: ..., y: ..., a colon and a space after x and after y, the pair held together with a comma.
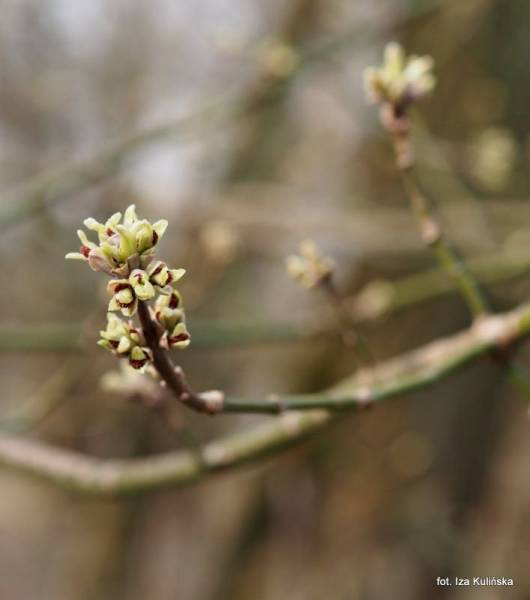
x: 400, y: 80
x: 311, y: 267
x: 213, y: 400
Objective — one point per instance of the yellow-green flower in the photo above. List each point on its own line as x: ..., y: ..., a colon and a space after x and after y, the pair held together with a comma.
x: 124, y: 340
x: 400, y: 80
x: 123, y: 297
x: 161, y: 275
x: 139, y: 357
x: 119, y: 242
x: 141, y: 285
x: 310, y: 268
x: 169, y: 314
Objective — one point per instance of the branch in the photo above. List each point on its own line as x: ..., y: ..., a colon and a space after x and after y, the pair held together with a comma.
x: 56, y: 185
x: 446, y: 255
x: 173, y: 376
x: 51, y: 394
x: 430, y: 228
x: 403, y: 374
x: 376, y: 300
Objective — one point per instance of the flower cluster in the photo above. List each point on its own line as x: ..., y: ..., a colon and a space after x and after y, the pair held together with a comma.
x: 125, y: 251
x: 141, y: 285
x: 126, y: 341
x: 311, y: 268
x: 169, y: 314
x: 119, y: 242
x: 400, y: 80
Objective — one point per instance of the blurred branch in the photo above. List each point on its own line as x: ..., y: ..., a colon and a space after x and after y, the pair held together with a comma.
x: 58, y: 184
x: 50, y: 396
x: 433, y: 236
x: 405, y: 373
x: 430, y: 229
x: 55, y: 185
x: 49, y: 337
x: 368, y: 226
x: 377, y: 299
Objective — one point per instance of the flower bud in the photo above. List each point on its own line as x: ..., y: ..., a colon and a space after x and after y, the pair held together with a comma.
x: 118, y: 242
x: 141, y: 286
x: 311, y: 268
x: 124, y: 340
x: 160, y: 275
x: 123, y: 297
x: 400, y: 80
x: 169, y: 314
x: 179, y: 337
x: 139, y: 357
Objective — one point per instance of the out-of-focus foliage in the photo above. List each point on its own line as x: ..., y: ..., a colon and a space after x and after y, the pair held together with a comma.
x: 379, y: 505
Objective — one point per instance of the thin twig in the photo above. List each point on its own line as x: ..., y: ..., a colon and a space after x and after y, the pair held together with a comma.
x: 378, y: 299
x: 55, y: 185
x: 431, y: 230
x: 50, y: 396
x: 351, y: 337
x: 433, y: 236
x: 403, y: 374
x: 173, y: 376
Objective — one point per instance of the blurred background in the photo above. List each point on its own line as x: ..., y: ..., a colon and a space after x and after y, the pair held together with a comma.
x: 244, y: 124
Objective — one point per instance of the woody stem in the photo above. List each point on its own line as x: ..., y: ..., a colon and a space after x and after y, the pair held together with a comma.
x: 172, y: 375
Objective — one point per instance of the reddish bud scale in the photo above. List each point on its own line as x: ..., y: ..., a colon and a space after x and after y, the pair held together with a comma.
x: 137, y: 364
x: 181, y: 337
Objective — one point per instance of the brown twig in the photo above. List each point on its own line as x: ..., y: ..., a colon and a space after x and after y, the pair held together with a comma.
x: 351, y: 337
x: 173, y: 376
x: 404, y: 374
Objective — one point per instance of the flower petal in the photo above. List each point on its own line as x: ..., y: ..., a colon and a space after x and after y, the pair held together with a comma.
x: 160, y: 227
x: 177, y: 274
x: 76, y: 256
x: 92, y: 224
x: 113, y: 220
x: 130, y: 215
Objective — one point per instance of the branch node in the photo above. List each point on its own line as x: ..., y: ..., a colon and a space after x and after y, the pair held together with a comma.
x: 213, y: 401
x: 277, y: 401
x: 430, y: 231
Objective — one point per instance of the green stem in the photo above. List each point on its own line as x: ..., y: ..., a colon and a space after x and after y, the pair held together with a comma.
x: 403, y: 374
x: 446, y: 255
x: 377, y: 299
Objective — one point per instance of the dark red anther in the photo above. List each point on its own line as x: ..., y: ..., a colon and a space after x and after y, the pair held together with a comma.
x: 174, y: 301
x: 181, y: 337
x: 138, y: 363
x: 85, y: 251
x: 155, y: 237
